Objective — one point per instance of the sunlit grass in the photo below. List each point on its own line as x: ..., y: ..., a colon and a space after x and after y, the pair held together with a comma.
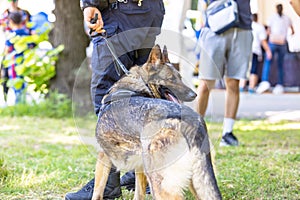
x: 44, y: 158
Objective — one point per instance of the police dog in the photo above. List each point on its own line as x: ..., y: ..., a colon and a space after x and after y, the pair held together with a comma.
x: 142, y: 126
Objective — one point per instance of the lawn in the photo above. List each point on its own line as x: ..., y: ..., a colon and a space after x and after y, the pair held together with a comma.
x: 44, y: 158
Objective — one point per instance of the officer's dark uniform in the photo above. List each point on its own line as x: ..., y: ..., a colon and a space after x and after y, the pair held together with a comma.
x: 131, y: 27
x: 136, y: 24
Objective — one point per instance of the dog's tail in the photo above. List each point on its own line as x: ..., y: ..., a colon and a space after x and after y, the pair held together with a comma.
x: 204, y: 182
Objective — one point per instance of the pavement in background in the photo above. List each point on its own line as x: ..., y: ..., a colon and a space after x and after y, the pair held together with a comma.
x: 257, y: 106
x: 252, y: 106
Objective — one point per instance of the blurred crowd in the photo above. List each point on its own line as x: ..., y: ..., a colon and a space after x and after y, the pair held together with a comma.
x: 17, y: 23
x: 270, y: 53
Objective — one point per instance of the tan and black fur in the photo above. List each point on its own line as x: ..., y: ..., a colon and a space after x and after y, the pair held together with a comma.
x: 141, y: 127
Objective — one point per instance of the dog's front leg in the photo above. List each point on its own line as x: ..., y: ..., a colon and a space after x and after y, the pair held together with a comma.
x: 140, y: 185
x: 103, y: 167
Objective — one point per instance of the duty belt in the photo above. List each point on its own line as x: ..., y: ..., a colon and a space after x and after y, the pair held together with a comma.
x: 139, y: 2
x: 113, y: 4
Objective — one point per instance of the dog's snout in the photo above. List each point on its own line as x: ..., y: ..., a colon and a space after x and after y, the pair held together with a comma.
x: 187, y: 94
x: 191, y: 95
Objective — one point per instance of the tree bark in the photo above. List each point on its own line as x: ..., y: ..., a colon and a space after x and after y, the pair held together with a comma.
x: 73, y: 73
x: 69, y: 31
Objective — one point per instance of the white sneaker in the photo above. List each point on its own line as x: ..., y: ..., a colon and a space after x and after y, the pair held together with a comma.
x: 263, y: 86
x: 278, y: 89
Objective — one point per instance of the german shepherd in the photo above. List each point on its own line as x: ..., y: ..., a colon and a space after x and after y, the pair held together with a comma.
x: 142, y: 126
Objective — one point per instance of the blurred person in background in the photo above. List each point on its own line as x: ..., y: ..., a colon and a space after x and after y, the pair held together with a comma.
x: 15, y: 23
x: 12, y: 6
x: 278, y: 26
x: 225, y: 55
x: 259, y: 41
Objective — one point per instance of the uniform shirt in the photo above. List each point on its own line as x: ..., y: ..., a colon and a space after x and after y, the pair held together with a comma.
x: 259, y: 34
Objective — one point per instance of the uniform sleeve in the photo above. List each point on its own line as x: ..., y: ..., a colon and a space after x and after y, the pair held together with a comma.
x: 94, y: 3
x: 89, y: 3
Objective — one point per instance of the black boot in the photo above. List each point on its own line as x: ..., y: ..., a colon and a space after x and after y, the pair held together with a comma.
x: 112, y: 189
x: 128, y: 180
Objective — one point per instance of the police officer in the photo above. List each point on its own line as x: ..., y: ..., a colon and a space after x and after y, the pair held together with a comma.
x: 131, y: 27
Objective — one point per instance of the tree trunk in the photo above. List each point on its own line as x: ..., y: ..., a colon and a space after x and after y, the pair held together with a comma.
x: 73, y: 73
x: 69, y: 31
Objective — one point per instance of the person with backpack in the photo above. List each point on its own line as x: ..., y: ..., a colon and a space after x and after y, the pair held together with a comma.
x: 225, y: 53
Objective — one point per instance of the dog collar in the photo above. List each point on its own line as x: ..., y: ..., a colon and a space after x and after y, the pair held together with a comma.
x: 120, y: 94
x: 154, y: 91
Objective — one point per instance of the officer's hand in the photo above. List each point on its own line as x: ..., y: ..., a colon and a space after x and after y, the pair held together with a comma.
x: 88, y: 14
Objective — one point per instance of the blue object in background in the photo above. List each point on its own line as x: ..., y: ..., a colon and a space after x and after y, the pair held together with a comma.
x: 40, y: 23
x: 197, y: 33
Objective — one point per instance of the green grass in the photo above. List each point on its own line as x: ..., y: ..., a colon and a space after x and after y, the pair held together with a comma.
x: 44, y: 158
x: 55, y: 106
x: 267, y: 164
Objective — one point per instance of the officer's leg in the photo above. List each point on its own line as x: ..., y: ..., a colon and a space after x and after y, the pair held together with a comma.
x: 128, y: 180
x: 103, y: 77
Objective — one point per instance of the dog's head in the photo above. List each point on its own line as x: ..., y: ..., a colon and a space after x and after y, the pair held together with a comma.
x: 157, y: 78
x: 163, y: 79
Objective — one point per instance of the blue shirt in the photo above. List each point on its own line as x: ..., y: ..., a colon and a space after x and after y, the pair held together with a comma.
x: 19, y: 32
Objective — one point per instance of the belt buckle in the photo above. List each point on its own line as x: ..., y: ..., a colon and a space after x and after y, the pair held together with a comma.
x: 140, y: 2
x: 123, y: 1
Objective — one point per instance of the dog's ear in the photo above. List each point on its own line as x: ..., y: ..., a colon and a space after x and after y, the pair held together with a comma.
x: 165, y: 57
x: 155, y: 55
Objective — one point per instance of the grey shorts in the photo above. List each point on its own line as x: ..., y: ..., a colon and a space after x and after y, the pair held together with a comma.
x: 227, y: 54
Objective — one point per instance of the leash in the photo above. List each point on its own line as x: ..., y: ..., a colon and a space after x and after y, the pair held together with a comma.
x: 119, y: 66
